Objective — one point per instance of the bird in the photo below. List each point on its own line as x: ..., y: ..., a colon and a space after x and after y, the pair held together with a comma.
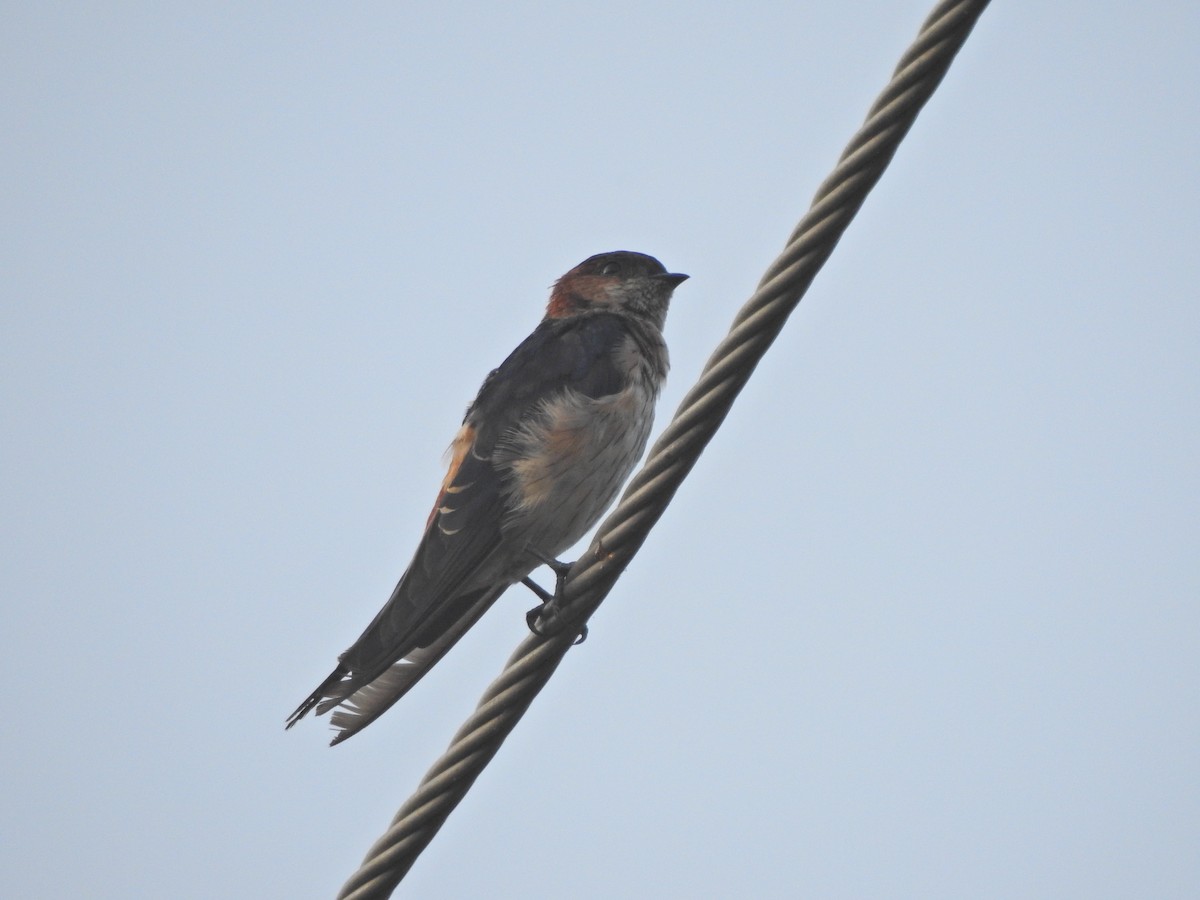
x: 543, y: 450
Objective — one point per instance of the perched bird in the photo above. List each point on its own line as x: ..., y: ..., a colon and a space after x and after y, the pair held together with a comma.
x: 542, y: 452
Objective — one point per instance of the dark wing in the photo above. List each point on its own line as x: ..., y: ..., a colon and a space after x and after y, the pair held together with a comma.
x: 448, y: 584
x: 577, y: 353
x: 464, y: 529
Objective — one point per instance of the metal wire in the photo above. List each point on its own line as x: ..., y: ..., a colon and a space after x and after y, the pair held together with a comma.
x: 756, y: 325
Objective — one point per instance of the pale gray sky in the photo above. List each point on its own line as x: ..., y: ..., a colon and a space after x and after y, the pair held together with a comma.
x: 924, y: 620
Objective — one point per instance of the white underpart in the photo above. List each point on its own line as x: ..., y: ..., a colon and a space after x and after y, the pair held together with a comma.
x: 569, y: 463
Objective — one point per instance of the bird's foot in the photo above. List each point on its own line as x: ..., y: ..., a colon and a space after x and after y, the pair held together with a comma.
x: 560, y: 570
x: 532, y: 617
x: 547, y: 611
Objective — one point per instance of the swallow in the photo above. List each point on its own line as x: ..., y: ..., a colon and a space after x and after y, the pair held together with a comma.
x: 542, y: 452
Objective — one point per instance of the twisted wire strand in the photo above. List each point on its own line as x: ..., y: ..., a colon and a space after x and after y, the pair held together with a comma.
x: 701, y: 412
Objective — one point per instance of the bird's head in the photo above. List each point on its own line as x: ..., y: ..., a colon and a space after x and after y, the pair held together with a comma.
x: 620, y: 280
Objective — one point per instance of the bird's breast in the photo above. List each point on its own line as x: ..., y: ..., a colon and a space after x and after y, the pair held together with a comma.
x: 567, y: 464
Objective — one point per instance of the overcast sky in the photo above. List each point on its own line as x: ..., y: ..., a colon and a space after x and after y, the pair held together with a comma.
x: 924, y: 620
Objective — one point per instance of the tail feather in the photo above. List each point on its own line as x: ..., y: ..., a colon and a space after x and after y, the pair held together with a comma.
x: 369, y: 702
x: 356, y: 705
x: 327, y: 688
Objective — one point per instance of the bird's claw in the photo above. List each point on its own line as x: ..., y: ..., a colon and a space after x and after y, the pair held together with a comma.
x: 560, y: 570
x: 532, y: 617
x: 550, y: 601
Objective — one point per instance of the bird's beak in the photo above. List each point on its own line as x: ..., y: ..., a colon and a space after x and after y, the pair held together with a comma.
x: 672, y: 278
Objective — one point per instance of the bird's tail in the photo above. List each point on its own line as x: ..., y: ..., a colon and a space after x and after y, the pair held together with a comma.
x: 327, y: 688
x: 357, y: 704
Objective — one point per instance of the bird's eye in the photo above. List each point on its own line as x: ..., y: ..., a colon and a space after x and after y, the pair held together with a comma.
x: 611, y: 268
